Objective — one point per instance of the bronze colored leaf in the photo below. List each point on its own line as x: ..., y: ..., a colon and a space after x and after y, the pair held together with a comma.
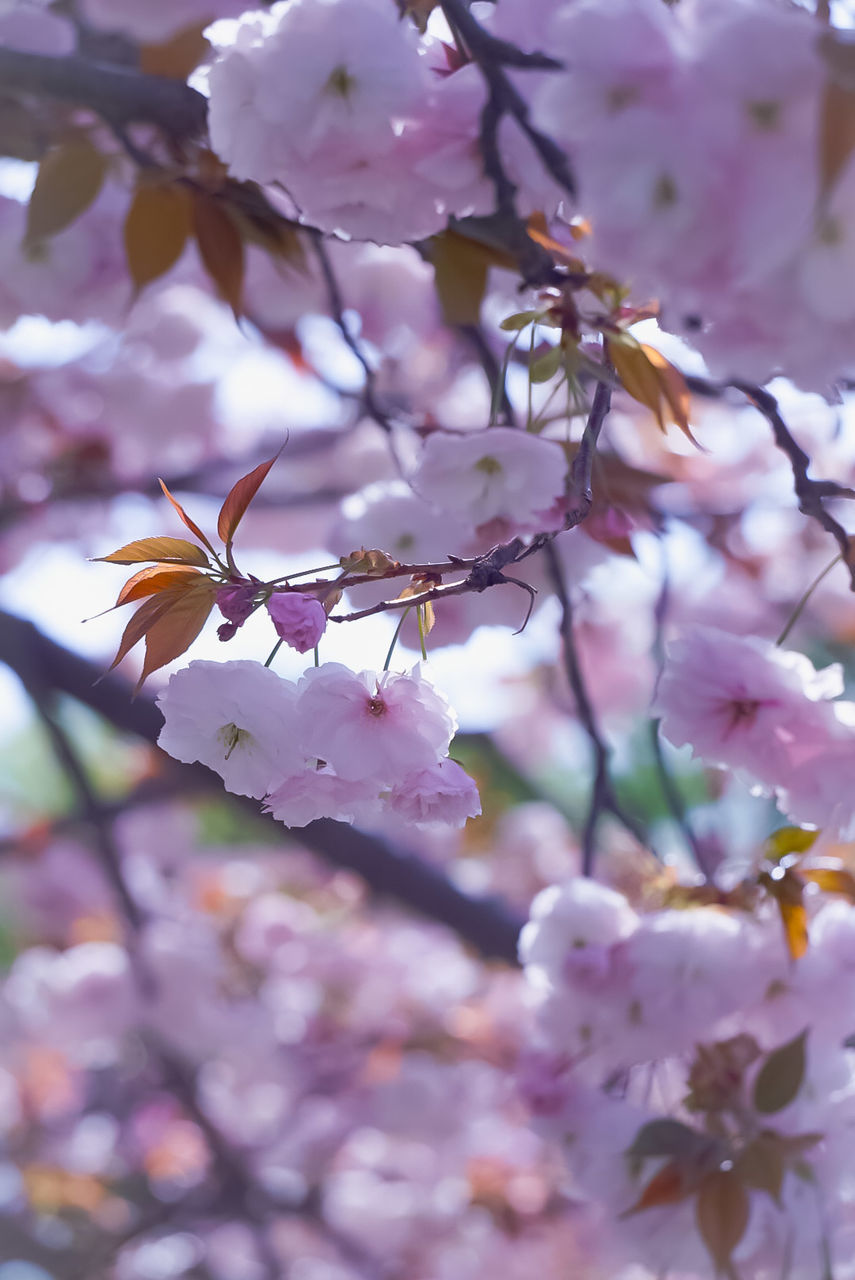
x: 220, y: 247
x: 185, y: 519
x: 794, y: 920
x: 653, y: 381
x: 156, y: 230
x: 150, y: 582
x: 781, y: 1076
x: 146, y: 615
x: 460, y: 270
x: 721, y: 1212
x: 69, y: 179
x: 373, y: 562
x: 831, y: 880
x: 837, y: 132
x: 241, y: 495
x: 177, y: 57
x: 174, y: 630
x: 667, y: 1137
x: 668, y: 1186
x: 163, y: 550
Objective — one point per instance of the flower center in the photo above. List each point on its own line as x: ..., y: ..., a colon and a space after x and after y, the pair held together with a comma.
x: 765, y: 114
x: 340, y: 83
x: 376, y: 707
x: 231, y: 737
x: 489, y: 465
x: 743, y: 712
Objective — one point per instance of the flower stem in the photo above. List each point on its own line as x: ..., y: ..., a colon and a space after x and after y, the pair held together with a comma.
x: 273, y: 652
x: 395, y: 640
x: 797, y: 612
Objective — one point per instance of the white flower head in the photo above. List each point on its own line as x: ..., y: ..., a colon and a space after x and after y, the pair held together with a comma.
x: 235, y: 718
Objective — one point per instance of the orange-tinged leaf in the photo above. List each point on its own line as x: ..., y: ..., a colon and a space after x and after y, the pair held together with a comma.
x: 831, y: 880
x: 371, y: 561
x: 638, y: 377
x: 175, y: 629
x: 674, y: 390
x: 428, y: 617
x: 220, y: 247
x: 185, y: 519
x: 460, y: 271
x: 164, y: 550
x: 722, y: 1211
x: 241, y: 495
x: 146, y: 615
x: 69, y: 179
x: 837, y: 132
x: 794, y: 920
x: 157, y: 227
x: 178, y: 56
x: 538, y: 230
x: 668, y: 1186
x: 781, y: 1076
x: 150, y: 582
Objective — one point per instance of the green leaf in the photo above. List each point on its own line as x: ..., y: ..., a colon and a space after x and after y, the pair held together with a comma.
x: 788, y: 840
x: 781, y: 1076
x: 69, y: 179
x: 546, y: 366
x: 519, y: 320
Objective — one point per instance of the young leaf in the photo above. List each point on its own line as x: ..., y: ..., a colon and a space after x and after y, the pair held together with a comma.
x: 653, y: 381
x: 831, y: 880
x: 178, y: 56
x: 546, y: 366
x: 163, y: 550
x: 235, y: 506
x: 788, y: 840
x: 220, y: 248
x: 722, y: 1211
x: 157, y: 227
x: 762, y: 1164
x: 666, y: 1138
x: 781, y: 1076
x: 185, y: 519
x: 837, y: 132
x: 150, y: 582
x: 146, y: 615
x: 460, y: 268
x: 174, y: 630
x: 69, y: 179
x: 372, y: 561
x: 794, y: 920
x: 668, y: 1186
x: 519, y: 320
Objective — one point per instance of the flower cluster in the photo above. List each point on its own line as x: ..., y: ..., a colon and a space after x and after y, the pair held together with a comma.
x: 335, y: 744
x: 745, y: 704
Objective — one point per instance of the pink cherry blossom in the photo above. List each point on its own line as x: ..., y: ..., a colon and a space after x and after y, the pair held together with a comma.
x: 443, y: 794
x: 319, y: 793
x: 233, y: 717
x: 299, y: 620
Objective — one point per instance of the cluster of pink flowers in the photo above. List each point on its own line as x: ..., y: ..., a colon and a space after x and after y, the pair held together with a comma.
x: 336, y: 744
x: 665, y: 1017
x: 768, y: 715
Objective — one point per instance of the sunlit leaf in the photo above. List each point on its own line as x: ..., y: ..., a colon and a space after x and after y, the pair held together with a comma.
x: 178, y: 56
x: 372, y: 561
x: 460, y: 269
x: 781, y: 1076
x: 176, y: 550
x: 722, y: 1210
x: 150, y: 582
x: 157, y: 227
x: 146, y: 615
x: 794, y: 920
x: 428, y: 617
x: 220, y: 247
x: 538, y: 230
x: 788, y: 840
x: 546, y: 366
x: 69, y: 178
x: 185, y: 519
x: 519, y: 320
x: 174, y: 630
x: 241, y: 495
x: 652, y: 380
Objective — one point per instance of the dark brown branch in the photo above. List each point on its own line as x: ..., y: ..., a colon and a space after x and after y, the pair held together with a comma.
x: 118, y: 95
x: 812, y: 494
x: 485, y: 923
x: 603, y: 798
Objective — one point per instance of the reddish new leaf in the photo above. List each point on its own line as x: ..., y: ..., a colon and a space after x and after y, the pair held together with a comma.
x: 150, y: 582
x: 146, y: 615
x: 174, y: 630
x: 722, y: 1211
x: 220, y: 247
x: 234, y: 508
x: 163, y: 550
x: 157, y: 227
x: 185, y: 519
x: 668, y: 1186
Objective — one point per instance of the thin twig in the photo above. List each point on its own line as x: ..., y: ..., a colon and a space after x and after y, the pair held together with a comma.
x: 603, y: 798
x: 812, y: 494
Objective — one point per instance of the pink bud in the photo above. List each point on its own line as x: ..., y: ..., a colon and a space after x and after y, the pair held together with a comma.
x: 235, y: 603
x: 299, y: 620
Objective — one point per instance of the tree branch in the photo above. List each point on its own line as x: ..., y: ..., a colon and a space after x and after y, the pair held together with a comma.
x: 486, y: 924
x: 119, y: 95
x: 812, y: 494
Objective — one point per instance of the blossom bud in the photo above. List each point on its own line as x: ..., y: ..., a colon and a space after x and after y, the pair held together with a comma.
x: 235, y: 604
x: 299, y: 620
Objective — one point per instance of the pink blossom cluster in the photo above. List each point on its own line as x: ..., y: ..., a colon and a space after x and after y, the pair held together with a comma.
x: 335, y: 744
x: 626, y: 1002
x: 764, y: 712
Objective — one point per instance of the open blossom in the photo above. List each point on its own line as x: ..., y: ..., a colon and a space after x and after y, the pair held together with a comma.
x: 373, y: 726
x: 743, y: 703
x: 299, y: 620
x: 444, y: 794
x: 319, y: 793
x: 499, y: 472
x: 233, y: 717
